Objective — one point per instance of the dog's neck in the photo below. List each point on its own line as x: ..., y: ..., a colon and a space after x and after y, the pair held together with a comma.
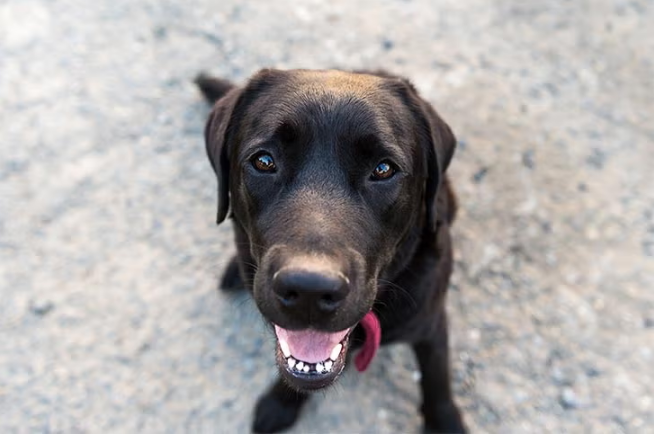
x: 419, y: 236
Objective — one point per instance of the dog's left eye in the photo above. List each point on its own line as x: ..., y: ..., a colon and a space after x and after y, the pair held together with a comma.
x: 384, y: 170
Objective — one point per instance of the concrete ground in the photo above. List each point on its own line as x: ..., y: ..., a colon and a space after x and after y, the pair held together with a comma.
x: 109, y: 316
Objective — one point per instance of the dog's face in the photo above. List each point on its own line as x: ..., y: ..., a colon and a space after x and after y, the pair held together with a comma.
x: 328, y: 174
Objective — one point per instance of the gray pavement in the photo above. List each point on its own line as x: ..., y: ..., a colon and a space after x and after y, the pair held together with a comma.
x: 109, y: 316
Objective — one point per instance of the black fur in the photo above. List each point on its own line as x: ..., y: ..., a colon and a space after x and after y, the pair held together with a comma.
x: 388, y: 239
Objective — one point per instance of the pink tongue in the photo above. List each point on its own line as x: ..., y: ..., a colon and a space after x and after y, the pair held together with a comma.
x: 310, y: 345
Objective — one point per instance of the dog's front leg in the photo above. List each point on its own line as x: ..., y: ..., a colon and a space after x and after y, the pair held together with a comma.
x: 232, y: 278
x: 438, y: 408
x: 278, y: 408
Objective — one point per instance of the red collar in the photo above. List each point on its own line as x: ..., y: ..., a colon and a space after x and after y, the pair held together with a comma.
x: 372, y: 328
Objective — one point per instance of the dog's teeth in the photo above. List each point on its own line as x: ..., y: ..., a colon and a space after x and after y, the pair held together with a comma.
x: 319, y: 367
x: 299, y: 366
x: 285, y: 349
x: 291, y: 362
x: 328, y: 365
x: 335, y: 352
x: 306, y: 368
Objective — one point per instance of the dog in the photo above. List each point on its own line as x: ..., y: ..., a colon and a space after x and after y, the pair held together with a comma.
x: 336, y: 186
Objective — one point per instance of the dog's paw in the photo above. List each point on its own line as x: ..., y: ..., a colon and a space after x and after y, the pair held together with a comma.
x: 232, y: 280
x: 272, y: 415
x: 444, y: 419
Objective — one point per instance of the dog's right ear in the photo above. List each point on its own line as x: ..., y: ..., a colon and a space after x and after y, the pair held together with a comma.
x: 221, y: 123
x: 216, y: 135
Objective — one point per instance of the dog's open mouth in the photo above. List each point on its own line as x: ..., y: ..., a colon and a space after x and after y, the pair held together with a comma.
x: 311, y: 359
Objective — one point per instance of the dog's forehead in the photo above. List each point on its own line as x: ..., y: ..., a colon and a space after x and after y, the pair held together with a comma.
x: 337, y: 83
x: 332, y: 98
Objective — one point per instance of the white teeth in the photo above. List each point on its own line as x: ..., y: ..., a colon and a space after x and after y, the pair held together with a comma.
x: 335, y: 352
x: 300, y: 366
x: 285, y: 349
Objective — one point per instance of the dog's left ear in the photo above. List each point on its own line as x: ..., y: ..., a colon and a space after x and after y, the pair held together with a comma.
x: 442, y: 143
x: 215, y: 136
x: 438, y: 143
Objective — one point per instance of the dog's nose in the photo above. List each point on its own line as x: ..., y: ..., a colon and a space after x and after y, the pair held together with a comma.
x: 307, y: 291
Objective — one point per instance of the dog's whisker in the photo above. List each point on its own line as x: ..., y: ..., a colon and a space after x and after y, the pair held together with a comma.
x: 402, y: 291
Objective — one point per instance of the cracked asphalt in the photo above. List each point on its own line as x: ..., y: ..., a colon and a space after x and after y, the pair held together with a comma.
x: 109, y: 257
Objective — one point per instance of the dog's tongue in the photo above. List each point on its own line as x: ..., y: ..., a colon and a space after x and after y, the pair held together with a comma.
x: 314, y: 346
x: 310, y: 345
x: 371, y: 326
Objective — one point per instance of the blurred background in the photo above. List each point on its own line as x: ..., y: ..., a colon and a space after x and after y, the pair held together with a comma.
x: 109, y: 257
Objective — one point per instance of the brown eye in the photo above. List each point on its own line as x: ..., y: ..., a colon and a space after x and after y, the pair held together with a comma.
x: 384, y: 170
x: 264, y: 162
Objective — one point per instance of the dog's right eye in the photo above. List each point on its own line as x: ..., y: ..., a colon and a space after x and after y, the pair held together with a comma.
x: 264, y: 162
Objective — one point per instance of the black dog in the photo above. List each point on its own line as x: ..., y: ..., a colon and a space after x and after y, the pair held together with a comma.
x: 337, y: 190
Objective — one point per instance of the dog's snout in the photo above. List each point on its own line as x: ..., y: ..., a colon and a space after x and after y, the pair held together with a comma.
x: 309, y: 291
x: 319, y: 291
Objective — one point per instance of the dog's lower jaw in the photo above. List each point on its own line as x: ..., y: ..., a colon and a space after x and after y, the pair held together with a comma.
x: 319, y: 372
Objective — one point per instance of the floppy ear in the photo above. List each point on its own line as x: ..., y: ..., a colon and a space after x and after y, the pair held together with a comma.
x: 221, y: 124
x: 441, y: 145
x: 215, y: 136
x: 438, y: 142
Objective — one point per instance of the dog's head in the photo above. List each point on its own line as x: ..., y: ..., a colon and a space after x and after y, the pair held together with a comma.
x: 328, y: 174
